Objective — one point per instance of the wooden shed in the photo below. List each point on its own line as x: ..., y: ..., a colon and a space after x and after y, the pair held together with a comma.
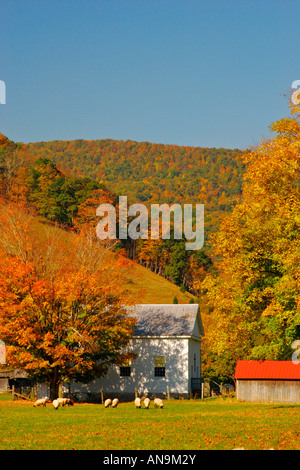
x: 268, y: 381
x: 15, y: 379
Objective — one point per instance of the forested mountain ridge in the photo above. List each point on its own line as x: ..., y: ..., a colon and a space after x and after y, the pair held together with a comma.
x: 153, y: 173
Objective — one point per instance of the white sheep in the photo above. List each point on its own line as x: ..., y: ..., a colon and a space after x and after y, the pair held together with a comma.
x: 137, y: 402
x: 114, y: 403
x: 107, y: 403
x: 56, y: 404
x: 147, y: 402
x: 41, y: 402
x: 158, y: 403
x: 65, y: 401
x: 61, y: 401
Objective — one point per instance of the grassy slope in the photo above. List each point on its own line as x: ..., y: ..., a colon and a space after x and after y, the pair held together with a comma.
x: 142, y: 283
x: 155, y: 289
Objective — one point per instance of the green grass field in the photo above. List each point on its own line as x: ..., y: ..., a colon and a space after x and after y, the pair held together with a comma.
x: 181, y: 425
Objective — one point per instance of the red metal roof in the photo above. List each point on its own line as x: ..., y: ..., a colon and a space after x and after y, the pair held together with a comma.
x: 281, y: 370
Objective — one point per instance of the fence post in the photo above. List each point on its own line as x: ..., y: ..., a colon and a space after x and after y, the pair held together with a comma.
x: 168, y: 392
x: 101, y: 395
x: 13, y: 392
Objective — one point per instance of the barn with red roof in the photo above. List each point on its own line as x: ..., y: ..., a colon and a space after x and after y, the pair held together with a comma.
x: 268, y: 381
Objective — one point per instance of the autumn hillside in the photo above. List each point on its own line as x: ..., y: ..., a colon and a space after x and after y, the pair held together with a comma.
x: 143, y: 284
x: 52, y: 200
x: 149, y: 173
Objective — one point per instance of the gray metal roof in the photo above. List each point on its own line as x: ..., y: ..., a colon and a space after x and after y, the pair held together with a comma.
x: 166, y: 319
x: 13, y: 373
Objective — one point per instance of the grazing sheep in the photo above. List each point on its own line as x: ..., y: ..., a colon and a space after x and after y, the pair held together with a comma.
x: 158, y: 403
x: 114, y: 403
x: 56, y: 404
x: 137, y: 402
x: 65, y: 401
x: 107, y: 403
x: 41, y: 402
x: 147, y: 402
x: 61, y: 401
x: 69, y: 401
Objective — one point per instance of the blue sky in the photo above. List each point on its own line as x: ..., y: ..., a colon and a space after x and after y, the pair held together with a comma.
x: 208, y: 73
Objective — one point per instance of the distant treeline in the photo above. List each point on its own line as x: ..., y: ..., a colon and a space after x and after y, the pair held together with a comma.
x: 154, y: 173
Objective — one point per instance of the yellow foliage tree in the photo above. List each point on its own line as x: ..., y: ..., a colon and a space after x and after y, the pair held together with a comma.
x: 255, y: 297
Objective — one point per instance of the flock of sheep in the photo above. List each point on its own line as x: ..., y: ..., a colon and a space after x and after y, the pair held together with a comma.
x: 158, y: 403
x: 56, y: 403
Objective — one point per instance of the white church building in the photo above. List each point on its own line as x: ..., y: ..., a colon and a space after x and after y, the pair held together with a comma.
x: 167, y: 340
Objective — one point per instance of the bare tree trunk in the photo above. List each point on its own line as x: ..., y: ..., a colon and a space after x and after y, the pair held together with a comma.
x: 54, y: 386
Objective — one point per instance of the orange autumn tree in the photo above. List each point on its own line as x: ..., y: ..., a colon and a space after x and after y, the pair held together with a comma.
x: 62, y: 303
x: 86, y: 219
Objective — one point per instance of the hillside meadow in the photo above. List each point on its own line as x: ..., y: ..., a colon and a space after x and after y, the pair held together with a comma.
x: 143, y: 284
x: 212, y: 424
